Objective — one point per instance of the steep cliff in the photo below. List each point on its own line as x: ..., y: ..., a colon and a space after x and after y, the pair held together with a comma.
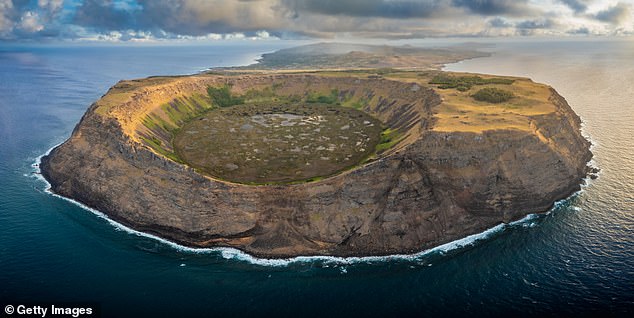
x: 435, y: 186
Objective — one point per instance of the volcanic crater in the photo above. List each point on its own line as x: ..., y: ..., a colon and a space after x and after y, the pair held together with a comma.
x: 324, y: 163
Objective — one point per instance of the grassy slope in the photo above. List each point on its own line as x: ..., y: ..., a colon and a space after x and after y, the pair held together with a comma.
x: 459, y: 111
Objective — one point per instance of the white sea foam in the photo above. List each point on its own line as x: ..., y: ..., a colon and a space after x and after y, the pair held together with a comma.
x: 529, y: 220
x: 238, y: 255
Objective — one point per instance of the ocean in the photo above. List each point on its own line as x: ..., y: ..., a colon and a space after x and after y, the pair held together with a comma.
x: 577, y: 259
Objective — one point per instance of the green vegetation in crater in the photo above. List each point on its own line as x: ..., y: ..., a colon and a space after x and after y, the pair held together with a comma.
x: 354, y: 103
x: 337, y: 115
x: 389, y: 138
x: 464, y: 83
x: 273, y: 143
x: 332, y: 98
x: 178, y: 112
x: 222, y: 96
x: 336, y: 98
x: 493, y: 95
x: 264, y: 95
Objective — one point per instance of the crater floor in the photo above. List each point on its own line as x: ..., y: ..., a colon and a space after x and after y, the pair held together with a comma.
x: 277, y: 143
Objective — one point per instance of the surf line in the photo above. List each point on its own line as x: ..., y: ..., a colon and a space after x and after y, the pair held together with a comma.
x: 236, y: 254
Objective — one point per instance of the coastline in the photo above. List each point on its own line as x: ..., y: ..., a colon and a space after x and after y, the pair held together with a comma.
x: 230, y: 253
x: 594, y: 169
x: 256, y: 258
x: 560, y: 260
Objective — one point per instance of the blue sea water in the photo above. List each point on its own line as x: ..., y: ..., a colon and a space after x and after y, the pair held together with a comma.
x: 576, y: 260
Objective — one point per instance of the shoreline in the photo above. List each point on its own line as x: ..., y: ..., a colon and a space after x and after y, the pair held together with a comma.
x: 266, y: 260
x: 230, y: 253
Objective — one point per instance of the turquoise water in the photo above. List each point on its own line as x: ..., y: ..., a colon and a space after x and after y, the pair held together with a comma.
x: 578, y: 259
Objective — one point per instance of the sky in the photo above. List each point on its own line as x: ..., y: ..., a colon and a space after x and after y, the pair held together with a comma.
x: 209, y: 20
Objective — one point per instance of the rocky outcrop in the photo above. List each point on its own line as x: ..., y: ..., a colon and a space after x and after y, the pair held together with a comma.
x: 433, y: 188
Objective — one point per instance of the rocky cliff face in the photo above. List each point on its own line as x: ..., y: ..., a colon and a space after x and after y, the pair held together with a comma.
x: 435, y: 188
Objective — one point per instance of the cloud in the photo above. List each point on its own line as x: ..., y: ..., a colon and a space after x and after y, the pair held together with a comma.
x: 496, y: 7
x: 51, y: 6
x: 536, y: 24
x: 30, y: 22
x: 523, y: 27
x: 403, y: 9
x: 582, y: 31
x: 103, y: 15
x: 178, y: 17
x: 578, y: 6
x: 617, y: 14
x: 407, y: 9
x: 499, y: 22
x: 145, y: 20
x: 26, y: 19
x: 6, y: 20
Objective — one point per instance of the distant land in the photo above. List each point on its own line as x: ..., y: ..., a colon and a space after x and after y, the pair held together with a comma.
x: 362, y: 56
x: 325, y: 149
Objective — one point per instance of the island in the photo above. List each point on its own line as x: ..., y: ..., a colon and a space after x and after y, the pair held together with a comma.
x: 385, y: 155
